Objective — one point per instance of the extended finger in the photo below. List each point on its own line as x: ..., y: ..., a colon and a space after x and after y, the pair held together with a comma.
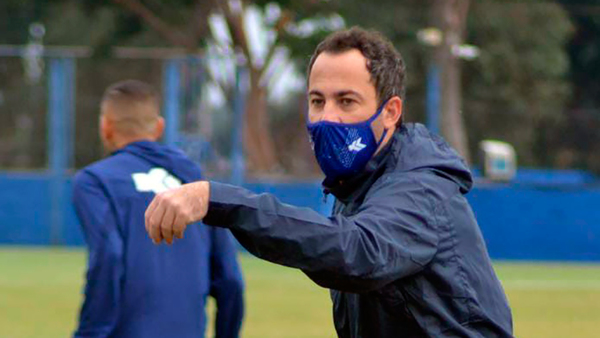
x: 154, y: 221
x: 166, y: 225
x: 149, y: 212
x: 179, y: 226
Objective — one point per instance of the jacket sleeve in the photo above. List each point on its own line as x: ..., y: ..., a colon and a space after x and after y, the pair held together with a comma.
x: 226, y: 284
x: 391, y: 236
x: 100, y: 309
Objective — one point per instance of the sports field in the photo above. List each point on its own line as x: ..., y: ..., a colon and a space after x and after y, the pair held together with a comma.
x: 40, y: 291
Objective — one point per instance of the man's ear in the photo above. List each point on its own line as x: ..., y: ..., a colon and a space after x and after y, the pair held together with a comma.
x: 160, y: 128
x: 106, y: 128
x: 392, y: 112
x: 107, y: 133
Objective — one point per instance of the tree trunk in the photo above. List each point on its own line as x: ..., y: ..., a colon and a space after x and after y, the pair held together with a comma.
x: 450, y: 17
x: 258, y: 139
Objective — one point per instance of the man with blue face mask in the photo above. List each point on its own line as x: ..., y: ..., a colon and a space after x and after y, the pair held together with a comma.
x: 402, y: 253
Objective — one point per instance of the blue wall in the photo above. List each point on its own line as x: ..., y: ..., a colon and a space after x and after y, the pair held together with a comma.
x: 539, y: 222
x: 24, y: 209
x: 25, y: 205
x: 550, y: 216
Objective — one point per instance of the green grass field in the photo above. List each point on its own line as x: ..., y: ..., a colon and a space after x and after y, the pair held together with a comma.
x: 40, y: 291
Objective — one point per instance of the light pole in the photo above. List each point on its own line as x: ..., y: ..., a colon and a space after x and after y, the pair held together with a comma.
x: 432, y: 37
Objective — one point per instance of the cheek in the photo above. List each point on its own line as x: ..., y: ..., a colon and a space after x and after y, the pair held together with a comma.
x: 329, y: 114
x: 311, y: 117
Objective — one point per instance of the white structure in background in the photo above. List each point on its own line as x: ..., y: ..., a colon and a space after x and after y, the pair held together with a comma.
x: 433, y: 37
x: 499, y: 160
x: 465, y: 52
x: 32, y: 58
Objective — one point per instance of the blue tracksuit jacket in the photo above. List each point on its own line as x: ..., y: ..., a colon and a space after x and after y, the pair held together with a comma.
x: 134, y: 288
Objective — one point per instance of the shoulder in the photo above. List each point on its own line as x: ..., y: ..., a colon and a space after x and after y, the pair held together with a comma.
x: 85, y: 177
x: 420, y: 190
x: 99, y: 171
x: 397, y: 183
x: 114, y: 166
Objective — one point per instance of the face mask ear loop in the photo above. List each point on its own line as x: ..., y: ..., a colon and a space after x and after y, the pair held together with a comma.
x: 379, y: 110
x: 382, y: 137
x: 373, y: 119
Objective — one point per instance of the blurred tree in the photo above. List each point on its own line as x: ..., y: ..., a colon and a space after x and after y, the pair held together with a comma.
x: 450, y: 16
x: 15, y: 17
x: 185, y: 23
x: 577, y: 140
x: 584, y: 51
x: 518, y: 87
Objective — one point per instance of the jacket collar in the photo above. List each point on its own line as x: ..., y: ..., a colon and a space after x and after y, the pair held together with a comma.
x: 356, y: 187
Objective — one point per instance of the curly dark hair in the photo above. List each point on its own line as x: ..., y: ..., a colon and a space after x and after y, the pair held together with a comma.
x: 384, y: 62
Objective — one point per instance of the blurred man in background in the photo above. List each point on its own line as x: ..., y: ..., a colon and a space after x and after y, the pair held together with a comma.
x: 402, y: 253
x: 135, y: 289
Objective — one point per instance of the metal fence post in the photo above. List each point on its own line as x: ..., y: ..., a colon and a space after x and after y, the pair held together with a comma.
x: 61, y: 89
x: 238, y: 167
x: 172, y: 98
x: 433, y: 98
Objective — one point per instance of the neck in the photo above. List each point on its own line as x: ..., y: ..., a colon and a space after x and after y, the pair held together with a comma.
x: 123, y: 142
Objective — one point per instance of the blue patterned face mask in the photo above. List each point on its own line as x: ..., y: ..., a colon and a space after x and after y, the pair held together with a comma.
x: 343, y: 149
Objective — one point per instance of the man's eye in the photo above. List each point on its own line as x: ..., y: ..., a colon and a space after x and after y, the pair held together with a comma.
x: 346, y: 102
x: 316, y: 102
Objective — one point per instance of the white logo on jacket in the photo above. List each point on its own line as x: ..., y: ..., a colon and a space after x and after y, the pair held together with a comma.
x: 157, y: 180
x: 357, y: 145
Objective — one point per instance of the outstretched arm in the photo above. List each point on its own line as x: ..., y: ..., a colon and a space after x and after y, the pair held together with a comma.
x: 392, y: 236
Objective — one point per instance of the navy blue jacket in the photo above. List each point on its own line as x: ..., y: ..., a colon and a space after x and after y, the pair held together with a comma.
x: 137, y: 289
x: 402, y: 253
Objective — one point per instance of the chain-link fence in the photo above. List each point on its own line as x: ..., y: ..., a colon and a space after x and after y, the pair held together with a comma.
x: 201, y: 113
x: 23, y: 106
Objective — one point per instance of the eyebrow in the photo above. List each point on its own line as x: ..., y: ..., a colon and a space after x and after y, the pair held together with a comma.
x: 340, y: 93
x: 343, y: 93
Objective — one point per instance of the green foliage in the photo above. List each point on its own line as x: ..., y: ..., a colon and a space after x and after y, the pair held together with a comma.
x: 580, y: 141
x: 519, y: 86
x: 300, y: 9
x: 15, y: 17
